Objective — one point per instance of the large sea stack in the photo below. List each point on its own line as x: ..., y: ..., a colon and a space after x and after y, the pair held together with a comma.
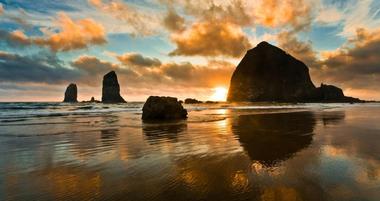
x: 269, y: 74
x: 111, y: 89
x: 163, y: 108
x: 71, y: 94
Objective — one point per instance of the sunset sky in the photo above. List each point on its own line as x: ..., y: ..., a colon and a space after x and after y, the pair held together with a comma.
x: 182, y: 48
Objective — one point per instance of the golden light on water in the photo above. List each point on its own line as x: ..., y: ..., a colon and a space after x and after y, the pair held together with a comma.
x: 220, y: 94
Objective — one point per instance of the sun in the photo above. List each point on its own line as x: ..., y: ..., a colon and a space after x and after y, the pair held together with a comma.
x: 220, y: 94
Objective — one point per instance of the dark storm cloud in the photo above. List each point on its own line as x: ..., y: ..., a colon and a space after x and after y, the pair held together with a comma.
x: 42, y: 68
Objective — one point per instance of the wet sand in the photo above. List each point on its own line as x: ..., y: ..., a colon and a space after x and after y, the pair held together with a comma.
x: 322, y: 152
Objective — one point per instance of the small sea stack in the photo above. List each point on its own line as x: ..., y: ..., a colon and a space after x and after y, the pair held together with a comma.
x: 71, y: 94
x: 111, y: 89
x: 163, y: 108
x: 192, y: 101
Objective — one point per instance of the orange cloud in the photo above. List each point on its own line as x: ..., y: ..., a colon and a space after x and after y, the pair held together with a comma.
x: 19, y: 37
x: 211, y: 39
x: 92, y: 70
x: 299, y: 49
x: 1, y: 9
x: 142, y: 23
x: 232, y: 11
x: 173, y: 21
x: 136, y: 59
x: 278, y: 13
x: 271, y: 13
x: 73, y: 35
x: 355, y: 66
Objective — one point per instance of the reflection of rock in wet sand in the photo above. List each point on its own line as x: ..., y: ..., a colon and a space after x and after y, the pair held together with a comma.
x: 333, y: 118
x: 108, y: 133
x: 163, y: 131
x: 109, y: 136
x: 270, y: 138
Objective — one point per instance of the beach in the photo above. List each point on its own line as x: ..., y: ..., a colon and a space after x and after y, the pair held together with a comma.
x: 247, y: 151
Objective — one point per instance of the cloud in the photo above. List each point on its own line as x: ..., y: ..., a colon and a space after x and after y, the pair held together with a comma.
x: 211, y: 39
x: 169, y: 78
x: 73, y: 35
x: 301, y: 50
x: 136, y: 59
x: 92, y: 65
x: 216, y: 29
x: 41, y: 68
x: 329, y: 15
x: 214, y: 73
x: 140, y: 22
x: 184, y: 74
x: 70, y: 35
x: 232, y: 11
x: 15, y: 38
x: 1, y: 9
x: 360, y: 14
x: 297, y: 14
x: 174, y: 22
x: 93, y: 69
x: 355, y: 66
x: 280, y: 13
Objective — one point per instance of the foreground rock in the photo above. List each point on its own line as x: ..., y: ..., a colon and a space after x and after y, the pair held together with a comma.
x: 192, y: 101
x: 267, y: 73
x: 71, y: 94
x: 111, y: 89
x: 163, y: 108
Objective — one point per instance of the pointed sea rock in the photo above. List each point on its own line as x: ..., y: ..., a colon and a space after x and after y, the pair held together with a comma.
x: 111, y: 89
x: 71, y: 94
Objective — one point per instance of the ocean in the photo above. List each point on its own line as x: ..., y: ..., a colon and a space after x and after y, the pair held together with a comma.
x: 245, y: 151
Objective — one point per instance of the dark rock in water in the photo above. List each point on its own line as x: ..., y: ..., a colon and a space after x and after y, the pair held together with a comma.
x: 71, y: 94
x: 93, y: 100
x: 111, y: 89
x: 330, y: 93
x: 163, y: 108
x: 267, y: 73
x: 192, y: 101
x: 211, y: 102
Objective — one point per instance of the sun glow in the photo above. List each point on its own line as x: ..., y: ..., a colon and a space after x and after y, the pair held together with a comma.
x: 220, y: 94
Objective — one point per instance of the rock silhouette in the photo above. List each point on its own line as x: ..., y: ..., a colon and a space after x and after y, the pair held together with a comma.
x: 192, y: 101
x: 163, y: 108
x: 71, y: 94
x: 330, y: 93
x: 267, y: 73
x: 111, y: 89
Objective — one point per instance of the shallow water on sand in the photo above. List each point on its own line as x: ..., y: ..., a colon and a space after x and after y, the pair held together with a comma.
x: 55, y: 151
